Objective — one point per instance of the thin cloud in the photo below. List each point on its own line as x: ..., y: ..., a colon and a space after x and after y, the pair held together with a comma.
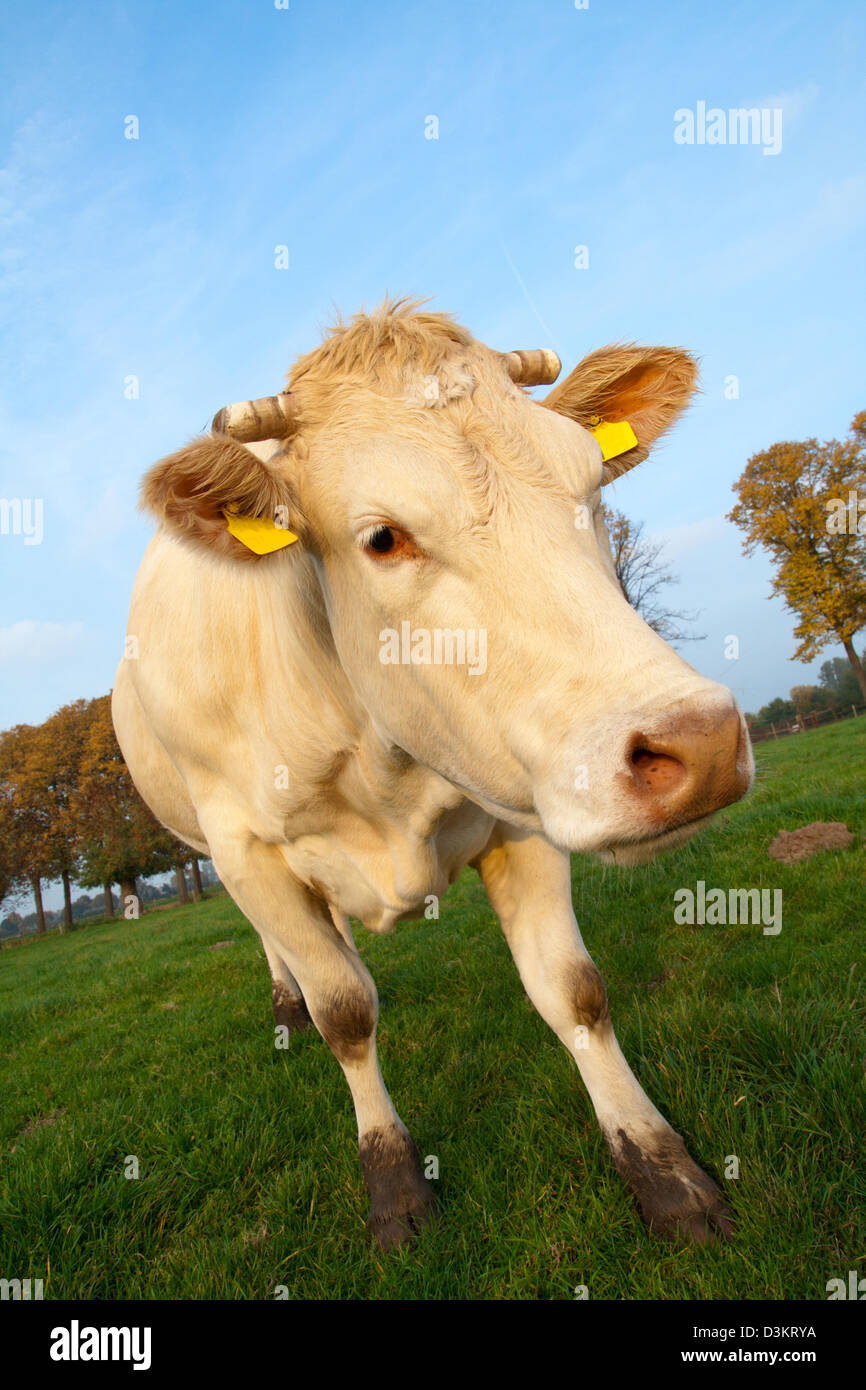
x: 791, y: 104
x: 31, y: 643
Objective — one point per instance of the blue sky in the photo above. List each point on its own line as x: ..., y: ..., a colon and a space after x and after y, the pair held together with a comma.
x: 305, y: 127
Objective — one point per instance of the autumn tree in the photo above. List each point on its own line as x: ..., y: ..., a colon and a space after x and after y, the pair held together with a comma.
x: 42, y: 766
x: 28, y: 831
x: 56, y: 771
x: 805, y: 504
x: 10, y: 860
x: 808, y: 699
x: 643, y: 576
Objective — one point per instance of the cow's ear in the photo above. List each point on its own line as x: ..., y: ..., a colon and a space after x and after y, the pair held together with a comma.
x: 647, y: 387
x: 214, y: 484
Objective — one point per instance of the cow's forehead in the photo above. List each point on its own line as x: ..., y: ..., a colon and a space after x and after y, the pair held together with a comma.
x: 367, y: 475
x: 461, y: 461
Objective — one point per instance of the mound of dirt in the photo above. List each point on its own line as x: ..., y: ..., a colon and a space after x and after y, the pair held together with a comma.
x: 792, y: 846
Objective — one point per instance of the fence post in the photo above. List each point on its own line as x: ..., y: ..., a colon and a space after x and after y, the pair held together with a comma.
x: 773, y: 727
x: 854, y: 711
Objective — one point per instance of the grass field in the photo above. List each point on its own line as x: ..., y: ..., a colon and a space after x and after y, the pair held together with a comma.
x: 155, y: 1039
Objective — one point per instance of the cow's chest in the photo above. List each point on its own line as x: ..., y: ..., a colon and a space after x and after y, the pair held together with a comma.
x: 384, y: 869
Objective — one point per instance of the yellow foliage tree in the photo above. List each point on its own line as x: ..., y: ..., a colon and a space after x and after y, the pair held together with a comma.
x: 805, y: 503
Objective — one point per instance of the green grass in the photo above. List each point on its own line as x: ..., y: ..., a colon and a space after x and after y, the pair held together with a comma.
x: 136, y: 1039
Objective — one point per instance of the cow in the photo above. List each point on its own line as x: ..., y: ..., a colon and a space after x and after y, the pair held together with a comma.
x: 286, y: 714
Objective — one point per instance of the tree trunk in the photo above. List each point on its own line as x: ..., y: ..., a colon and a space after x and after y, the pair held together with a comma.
x: 36, y: 885
x: 856, y: 666
x: 182, y: 894
x: 196, y: 881
x: 67, y: 900
x: 128, y: 889
x: 109, y: 901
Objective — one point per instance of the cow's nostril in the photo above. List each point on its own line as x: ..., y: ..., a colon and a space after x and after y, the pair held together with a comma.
x: 657, y: 772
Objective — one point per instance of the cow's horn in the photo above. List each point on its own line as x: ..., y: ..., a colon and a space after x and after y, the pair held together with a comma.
x: 537, y: 367
x: 271, y: 417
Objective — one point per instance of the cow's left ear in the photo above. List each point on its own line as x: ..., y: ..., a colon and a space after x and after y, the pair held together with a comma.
x: 221, y: 495
x: 646, y: 387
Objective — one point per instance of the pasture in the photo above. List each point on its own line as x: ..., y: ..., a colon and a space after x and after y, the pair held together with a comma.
x: 155, y: 1039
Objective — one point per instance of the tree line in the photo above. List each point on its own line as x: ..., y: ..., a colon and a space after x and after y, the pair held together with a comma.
x: 69, y: 810
x: 838, y: 690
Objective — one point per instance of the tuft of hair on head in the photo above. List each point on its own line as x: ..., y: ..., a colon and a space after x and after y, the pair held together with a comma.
x: 382, y: 349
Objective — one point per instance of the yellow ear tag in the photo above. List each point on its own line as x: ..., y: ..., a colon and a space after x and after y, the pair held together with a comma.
x: 615, y: 437
x: 257, y: 533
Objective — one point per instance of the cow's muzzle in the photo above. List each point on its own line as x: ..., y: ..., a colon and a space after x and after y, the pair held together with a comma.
x: 682, y: 773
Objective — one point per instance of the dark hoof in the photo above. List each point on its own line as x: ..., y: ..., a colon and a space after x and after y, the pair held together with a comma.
x: 402, y: 1201
x: 712, y: 1224
x: 391, y: 1230
x: 290, y: 1011
x: 678, y: 1201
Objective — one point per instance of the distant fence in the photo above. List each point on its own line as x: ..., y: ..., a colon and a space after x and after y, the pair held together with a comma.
x: 799, y: 723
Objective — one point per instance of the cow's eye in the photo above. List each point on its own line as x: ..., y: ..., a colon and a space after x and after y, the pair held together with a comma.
x: 390, y: 543
x: 382, y: 541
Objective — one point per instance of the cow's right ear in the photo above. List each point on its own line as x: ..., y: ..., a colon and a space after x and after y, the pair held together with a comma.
x: 200, y: 490
x: 646, y: 388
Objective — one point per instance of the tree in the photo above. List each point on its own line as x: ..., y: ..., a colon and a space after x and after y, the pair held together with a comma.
x: 10, y: 861
x: 807, y: 699
x: 40, y: 773
x: 27, y: 832
x: 838, y: 679
x: 197, y: 891
x: 776, y: 712
x: 802, y: 503
x: 643, y: 575
x: 180, y: 879
x: 56, y: 769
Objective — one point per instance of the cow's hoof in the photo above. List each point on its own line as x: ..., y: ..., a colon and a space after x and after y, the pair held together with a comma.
x: 401, y: 1226
x: 701, y: 1217
x: 678, y: 1201
x: 290, y: 1011
x: 402, y: 1201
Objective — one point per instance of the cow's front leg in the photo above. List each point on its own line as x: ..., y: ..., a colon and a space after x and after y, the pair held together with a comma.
x: 317, y: 954
x: 287, y: 1001
x: 529, y: 885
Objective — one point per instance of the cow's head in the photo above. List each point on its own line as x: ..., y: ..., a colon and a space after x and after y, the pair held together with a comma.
x: 452, y: 525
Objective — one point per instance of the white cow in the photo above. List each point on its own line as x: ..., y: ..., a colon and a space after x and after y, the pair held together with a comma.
x: 287, y: 713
